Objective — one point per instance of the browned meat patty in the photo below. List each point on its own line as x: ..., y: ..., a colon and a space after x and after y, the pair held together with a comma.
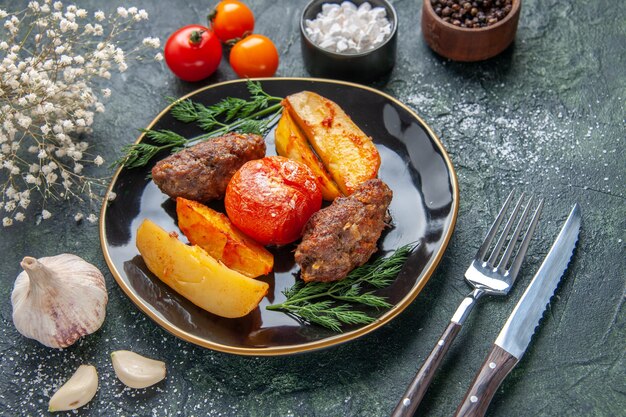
x: 343, y: 235
x: 202, y: 172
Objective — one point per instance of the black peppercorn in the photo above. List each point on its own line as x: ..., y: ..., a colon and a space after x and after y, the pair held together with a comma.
x: 472, y: 14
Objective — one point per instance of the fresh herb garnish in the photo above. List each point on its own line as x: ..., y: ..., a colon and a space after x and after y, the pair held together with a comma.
x: 256, y: 115
x: 332, y: 304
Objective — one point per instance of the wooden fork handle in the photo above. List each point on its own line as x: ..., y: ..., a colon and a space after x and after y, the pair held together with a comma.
x: 496, y: 367
x: 415, y: 392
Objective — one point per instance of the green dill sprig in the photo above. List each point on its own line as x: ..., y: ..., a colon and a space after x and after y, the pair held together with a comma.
x: 331, y: 304
x: 139, y: 154
x: 256, y: 115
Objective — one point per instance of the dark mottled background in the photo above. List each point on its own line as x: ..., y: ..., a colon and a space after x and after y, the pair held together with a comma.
x: 547, y: 116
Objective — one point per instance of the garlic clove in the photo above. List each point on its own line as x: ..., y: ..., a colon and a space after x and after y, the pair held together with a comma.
x: 137, y: 371
x: 77, y: 391
x: 58, y: 299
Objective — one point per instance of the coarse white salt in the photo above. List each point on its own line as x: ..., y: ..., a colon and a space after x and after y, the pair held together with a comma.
x: 348, y: 29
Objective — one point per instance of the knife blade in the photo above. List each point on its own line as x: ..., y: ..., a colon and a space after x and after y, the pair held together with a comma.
x: 518, y: 330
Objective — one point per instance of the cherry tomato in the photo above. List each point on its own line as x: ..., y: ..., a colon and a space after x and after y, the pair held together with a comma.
x: 271, y: 199
x: 254, y: 56
x: 193, y: 52
x: 231, y: 19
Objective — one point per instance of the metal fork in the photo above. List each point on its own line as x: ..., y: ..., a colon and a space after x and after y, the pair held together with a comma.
x: 487, y: 278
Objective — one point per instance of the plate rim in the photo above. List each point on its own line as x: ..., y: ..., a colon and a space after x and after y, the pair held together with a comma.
x: 301, y: 347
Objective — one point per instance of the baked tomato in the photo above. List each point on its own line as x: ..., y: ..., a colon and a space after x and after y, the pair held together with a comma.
x: 254, y: 56
x: 231, y: 20
x: 193, y: 52
x: 271, y: 199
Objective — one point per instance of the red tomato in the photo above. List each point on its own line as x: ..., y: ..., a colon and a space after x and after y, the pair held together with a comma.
x: 193, y: 52
x: 254, y: 56
x: 231, y: 19
x: 271, y: 199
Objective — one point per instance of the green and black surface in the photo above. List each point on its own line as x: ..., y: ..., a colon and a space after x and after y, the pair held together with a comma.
x: 547, y: 117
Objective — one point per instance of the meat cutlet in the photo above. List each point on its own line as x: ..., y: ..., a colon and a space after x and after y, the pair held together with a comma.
x: 343, y: 235
x: 201, y: 172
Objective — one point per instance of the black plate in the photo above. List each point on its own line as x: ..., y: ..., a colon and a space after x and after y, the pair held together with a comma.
x: 424, y: 209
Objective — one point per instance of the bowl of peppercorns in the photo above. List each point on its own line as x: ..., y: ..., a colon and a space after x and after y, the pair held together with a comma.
x: 466, y: 30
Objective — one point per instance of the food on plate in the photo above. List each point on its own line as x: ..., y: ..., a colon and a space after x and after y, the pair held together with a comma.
x: 202, y: 172
x: 271, y: 199
x: 136, y: 371
x: 77, y: 391
x: 291, y: 143
x: 197, y: 276
x: 231, y: 20
x: 254, y: 56
x: 343, y: 235
x: 214, y: 232
x: 347, y: 153
x: 58, y: 299
x: 193, y: 52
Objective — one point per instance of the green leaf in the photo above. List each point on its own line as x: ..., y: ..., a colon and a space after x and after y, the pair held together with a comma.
x: 165, y: 137
x: 185, y: 111
x: 331, y: 304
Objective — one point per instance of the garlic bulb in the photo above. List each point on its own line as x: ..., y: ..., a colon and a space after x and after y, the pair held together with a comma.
x: 58, y: 299
x: 77, y: 391
x: 137, y: 371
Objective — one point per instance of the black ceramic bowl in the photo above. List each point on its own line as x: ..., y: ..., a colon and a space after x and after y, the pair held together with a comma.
x: 364, y: 67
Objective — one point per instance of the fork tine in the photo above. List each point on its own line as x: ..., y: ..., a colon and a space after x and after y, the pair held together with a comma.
x: 517, y: 262
x: 505, y: 232
x: 482, y: 251
x: 516, y: 233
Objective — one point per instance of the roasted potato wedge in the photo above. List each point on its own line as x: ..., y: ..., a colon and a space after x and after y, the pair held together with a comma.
x: 348, y: 154
x: 195, y: 275
x: 291, y: 143
x: 214, y: 232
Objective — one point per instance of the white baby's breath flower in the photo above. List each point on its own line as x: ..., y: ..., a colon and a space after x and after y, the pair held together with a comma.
x: 6, y: 222
x: 92, y: 218
x: 151, y: 42
x: 49, y: 96
x: 78, y: 217
x: 158, y: 57
x: 45, y: 214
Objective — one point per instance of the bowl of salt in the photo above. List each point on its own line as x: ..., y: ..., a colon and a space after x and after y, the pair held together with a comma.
x: 349, y: 40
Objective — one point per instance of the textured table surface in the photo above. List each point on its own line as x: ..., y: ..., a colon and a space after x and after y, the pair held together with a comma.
x: 548, y: 116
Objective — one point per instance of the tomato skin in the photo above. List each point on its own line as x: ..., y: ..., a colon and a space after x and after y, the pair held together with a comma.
x: 271, y: 199
x: 231, y: 19
x: 254, y: 56
x: 193, y: 61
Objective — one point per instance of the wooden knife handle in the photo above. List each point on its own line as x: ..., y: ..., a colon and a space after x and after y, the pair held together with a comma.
x: 415, y: 392
x: 496, y: 367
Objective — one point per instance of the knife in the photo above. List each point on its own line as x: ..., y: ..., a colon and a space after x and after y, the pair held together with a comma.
x: 520, y: 326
